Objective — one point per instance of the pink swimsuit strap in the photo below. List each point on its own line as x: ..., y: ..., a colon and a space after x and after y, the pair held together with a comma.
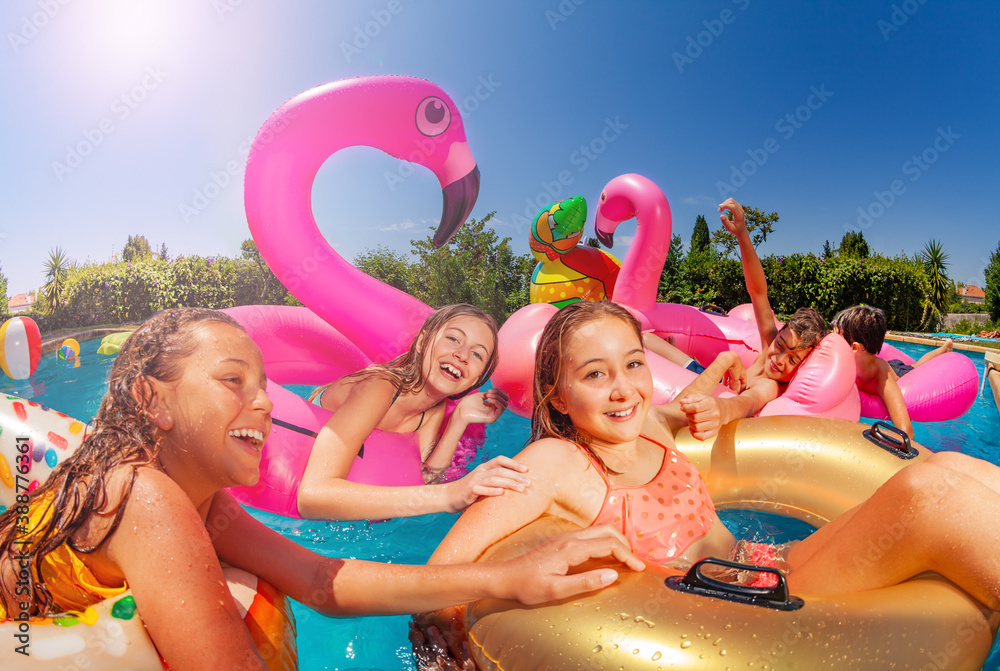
x: 662, y: 517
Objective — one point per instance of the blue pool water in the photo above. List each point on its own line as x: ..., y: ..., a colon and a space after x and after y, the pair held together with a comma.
x: 381, y: 642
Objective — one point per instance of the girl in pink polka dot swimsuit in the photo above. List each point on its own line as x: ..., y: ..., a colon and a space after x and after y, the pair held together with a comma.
x: 602, y: 454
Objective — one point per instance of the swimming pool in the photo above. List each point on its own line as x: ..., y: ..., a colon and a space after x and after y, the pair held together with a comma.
x: 381, y: 642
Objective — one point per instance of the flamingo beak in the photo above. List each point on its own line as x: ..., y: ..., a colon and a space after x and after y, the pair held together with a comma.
x: 606, y: 238
x: 459, y: 199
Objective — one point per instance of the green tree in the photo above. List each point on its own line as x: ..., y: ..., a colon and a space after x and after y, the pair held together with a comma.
x: 593, y: 242
x: 162, y: 254
x: 56, y: 274
x: 828, y: 250
x: 674, y: 286
x: 474, y: 267
x: 699, y: 236
x: 386, y: 265
x: 853, y: 244
x: 249, y: 252
x: 992, y: 289
x: 759, y: 226
x: 136, y: 249
x: 935, y: 262
x: 3, y: 292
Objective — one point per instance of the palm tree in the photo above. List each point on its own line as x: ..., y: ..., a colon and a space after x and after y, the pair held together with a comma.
x: 939, y: 289
x: 56, y: 275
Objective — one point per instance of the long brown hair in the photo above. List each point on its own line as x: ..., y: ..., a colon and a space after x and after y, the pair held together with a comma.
x: 551, y: 355
x: 406, y: 371
x: 122, y: 434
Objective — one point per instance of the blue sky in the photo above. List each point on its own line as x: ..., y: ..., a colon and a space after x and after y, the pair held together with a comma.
x: 834, y: 114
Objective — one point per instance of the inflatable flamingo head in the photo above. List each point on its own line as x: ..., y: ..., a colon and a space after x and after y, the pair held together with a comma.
x: 628, y: 196
x: 622, y: 199
x: 408, y: 118
x: 558, y: 226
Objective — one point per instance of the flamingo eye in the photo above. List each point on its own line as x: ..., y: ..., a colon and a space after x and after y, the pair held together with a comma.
x: 604, y: 196
x: 433, y: 116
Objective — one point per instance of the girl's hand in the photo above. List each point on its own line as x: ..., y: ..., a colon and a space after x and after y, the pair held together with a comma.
x: 490, y: 479
x: 541, y: 574
x: 703, y: 414
x: 483, y: 407
x: 437, y: 649
x: 737, y: 223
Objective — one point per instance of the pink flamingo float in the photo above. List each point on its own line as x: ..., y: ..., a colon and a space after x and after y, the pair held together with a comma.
x: 938, y: 390
x: 823, y: 386
x: 350, y: 319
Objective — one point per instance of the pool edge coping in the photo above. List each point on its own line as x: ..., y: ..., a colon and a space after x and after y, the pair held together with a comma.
x: 53, y: 342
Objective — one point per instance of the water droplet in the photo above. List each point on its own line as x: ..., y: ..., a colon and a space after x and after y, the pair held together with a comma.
x: 685, y: 645
x: 717, y: 641
x: 597, y: 648
x: 656, y: 655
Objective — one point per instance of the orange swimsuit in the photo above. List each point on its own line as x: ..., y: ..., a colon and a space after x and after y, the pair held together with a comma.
x: 661, y: 518
x: 71, y: 583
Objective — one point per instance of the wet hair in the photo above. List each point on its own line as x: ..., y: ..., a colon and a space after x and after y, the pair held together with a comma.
x: 864, y: 325
x: 406, y: 371
x: 550, y: 357
x: 809, y: 325
x: 121, y: 434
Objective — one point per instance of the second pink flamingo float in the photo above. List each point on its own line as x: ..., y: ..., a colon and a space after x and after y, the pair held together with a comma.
x: 824, y: 385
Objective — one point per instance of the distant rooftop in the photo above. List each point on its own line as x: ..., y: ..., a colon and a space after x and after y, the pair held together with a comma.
x: 971, y: 291
x: 19, y: 303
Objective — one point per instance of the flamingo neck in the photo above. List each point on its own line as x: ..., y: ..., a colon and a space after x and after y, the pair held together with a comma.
x: 639, y: 278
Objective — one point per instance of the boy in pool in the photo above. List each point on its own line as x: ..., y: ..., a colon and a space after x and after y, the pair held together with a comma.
x: 142, y: 505
x: 864, y: 329
x: 781, y: 350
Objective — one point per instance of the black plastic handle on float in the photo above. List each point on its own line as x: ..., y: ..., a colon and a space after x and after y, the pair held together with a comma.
x: 713, y: 309
x: 901, y: 446
x: 696, y: 582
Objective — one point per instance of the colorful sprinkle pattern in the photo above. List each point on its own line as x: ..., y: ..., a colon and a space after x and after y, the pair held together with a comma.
x: 34, y: 440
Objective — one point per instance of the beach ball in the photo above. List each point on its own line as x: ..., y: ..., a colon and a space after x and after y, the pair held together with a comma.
x: 20, y: 347
x: 69, y: 349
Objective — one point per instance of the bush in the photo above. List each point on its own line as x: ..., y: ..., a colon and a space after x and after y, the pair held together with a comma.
x: 965, y: 308
x: 972, y: 328
x: 803, y: 280
x: 119, y: 293
x: 992, y: 303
